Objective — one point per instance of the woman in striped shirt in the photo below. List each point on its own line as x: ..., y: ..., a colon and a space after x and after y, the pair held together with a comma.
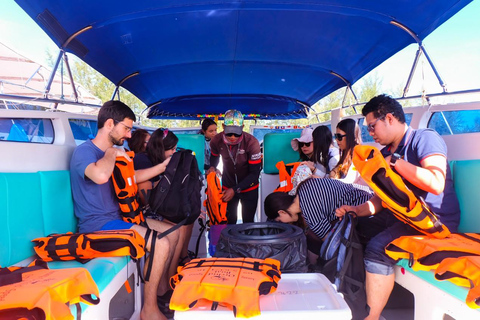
x: 314, y: 204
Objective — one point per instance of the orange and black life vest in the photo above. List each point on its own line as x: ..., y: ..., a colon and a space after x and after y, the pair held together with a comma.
x: 426, y: 253
x: 38, y: 293
x: 86, y: 246
x: 464, y: 272
x: 216, y: 208
x: 395, y: 195
x: 126, y: 189
x: 285, y: 173
x: 236, y: 282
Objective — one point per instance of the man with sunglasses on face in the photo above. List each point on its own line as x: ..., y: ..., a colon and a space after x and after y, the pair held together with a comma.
x: 242, y: 163
x: 420, y: 158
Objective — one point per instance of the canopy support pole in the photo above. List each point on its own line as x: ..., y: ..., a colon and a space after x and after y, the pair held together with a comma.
x: 349, y: 87
x: 117, y: 87
x: 62, y: 54
x: 421, y: 48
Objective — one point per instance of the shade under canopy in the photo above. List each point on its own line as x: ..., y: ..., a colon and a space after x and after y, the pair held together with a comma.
x: 269, y: 58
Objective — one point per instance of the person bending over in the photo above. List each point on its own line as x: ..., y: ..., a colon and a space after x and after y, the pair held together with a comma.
x: 314, y: 206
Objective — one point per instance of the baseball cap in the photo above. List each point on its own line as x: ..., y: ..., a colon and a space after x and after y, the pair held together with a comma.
x: 233, y: 122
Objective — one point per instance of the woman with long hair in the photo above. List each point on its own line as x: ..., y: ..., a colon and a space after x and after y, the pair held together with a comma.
x: 162, y: 144
x: 348, y: 135
x: 209, y: 130
x: 325, y: 156
x: 138, y: 142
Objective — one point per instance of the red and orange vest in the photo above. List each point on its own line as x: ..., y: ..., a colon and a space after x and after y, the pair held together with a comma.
x: 285, y: 173
x: 236, y: 282
x: 126, y: 189
x: 216, y: 208
x: 36, y: 292
x: 395, y: 195
x: 86, y: 246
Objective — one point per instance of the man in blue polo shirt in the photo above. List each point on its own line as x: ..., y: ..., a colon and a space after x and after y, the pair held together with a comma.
x: 420, y: 158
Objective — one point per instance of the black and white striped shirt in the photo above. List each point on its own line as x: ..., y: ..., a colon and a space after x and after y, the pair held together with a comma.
x: 320, y: 197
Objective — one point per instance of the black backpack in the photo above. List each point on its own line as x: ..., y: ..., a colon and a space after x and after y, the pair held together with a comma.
x: 341, y: 261
x: 177, y: 196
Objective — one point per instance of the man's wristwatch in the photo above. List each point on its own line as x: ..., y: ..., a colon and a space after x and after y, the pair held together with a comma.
x: 394, y: 159
x: 238, y: 190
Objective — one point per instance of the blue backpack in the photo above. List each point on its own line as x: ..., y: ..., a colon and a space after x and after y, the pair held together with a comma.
x: 341, y: 261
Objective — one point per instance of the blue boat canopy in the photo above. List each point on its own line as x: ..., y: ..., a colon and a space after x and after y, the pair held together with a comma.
x: 268, y: 58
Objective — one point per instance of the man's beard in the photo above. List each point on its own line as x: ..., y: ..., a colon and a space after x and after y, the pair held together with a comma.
x: 115, y: 141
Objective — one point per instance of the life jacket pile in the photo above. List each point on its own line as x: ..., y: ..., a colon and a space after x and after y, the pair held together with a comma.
x: 464, y: 272
x: 126, y: 189
x: 85, y: 246
x: 36, y: 292
x: 426, y: 253
x: 395, y: 195
x: 216, y: 208
x: 285, y: 174
x: 234, y: 282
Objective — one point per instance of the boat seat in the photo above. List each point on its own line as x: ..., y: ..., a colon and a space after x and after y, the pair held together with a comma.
x: 38, y: 204
x: 448, y: 298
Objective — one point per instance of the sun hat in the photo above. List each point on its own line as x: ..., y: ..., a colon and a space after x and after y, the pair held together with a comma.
x: 233, y: 122
x: 305, y: 137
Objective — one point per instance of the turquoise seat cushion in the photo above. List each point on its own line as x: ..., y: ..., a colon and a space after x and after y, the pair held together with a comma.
x: 22, y: 218
x: 277, y: 147
x: 57, y: 202
x: 429, y: 276
x: 196, y: 143
x: 33, y: 205
x: 466, y: 176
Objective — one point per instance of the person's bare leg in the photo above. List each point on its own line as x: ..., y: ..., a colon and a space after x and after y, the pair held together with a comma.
x: 188, y: 236
x: 170, y: 264
x: 379, y: 288
x: 150, y: 308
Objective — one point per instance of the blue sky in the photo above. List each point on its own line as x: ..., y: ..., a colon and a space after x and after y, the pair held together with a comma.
x: 454, y: 47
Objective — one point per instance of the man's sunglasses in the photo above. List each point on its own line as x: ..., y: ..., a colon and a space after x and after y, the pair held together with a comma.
x: 232, y: 135
x: 301, y: 144
x: 339, y: 136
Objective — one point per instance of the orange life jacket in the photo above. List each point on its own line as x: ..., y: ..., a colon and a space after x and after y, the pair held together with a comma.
x: 464, y: 272
x: 86, y: 246
x: 36, y: 292
x: 285, y: 174
x: 126, y: 189
x: 236, y: 282
x: 426, y: 253
x: 216, y: 208
x: 395, y: 195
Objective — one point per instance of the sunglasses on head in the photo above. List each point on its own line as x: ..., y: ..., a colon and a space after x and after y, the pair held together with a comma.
x: 232, y: 135
x: 339, y: 136
x: 306, y: 144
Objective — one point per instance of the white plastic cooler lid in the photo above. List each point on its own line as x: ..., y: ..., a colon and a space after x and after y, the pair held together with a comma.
x: 301, y: 295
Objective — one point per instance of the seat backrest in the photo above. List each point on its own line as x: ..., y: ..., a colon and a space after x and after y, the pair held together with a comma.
x: 277, y: 147
x: 466, y: 176
x: 196, y: 143
x: 33, y: 205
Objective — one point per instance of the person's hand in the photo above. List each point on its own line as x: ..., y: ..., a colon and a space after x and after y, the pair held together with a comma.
x: 309, y: 164
x: 165, y: 163
x: 211, y: 169
x: 119, y: 152
x: 343, y: 210
x: 228, y: 194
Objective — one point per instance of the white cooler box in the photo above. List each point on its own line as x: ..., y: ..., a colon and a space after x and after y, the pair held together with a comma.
x: 298, y: 296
